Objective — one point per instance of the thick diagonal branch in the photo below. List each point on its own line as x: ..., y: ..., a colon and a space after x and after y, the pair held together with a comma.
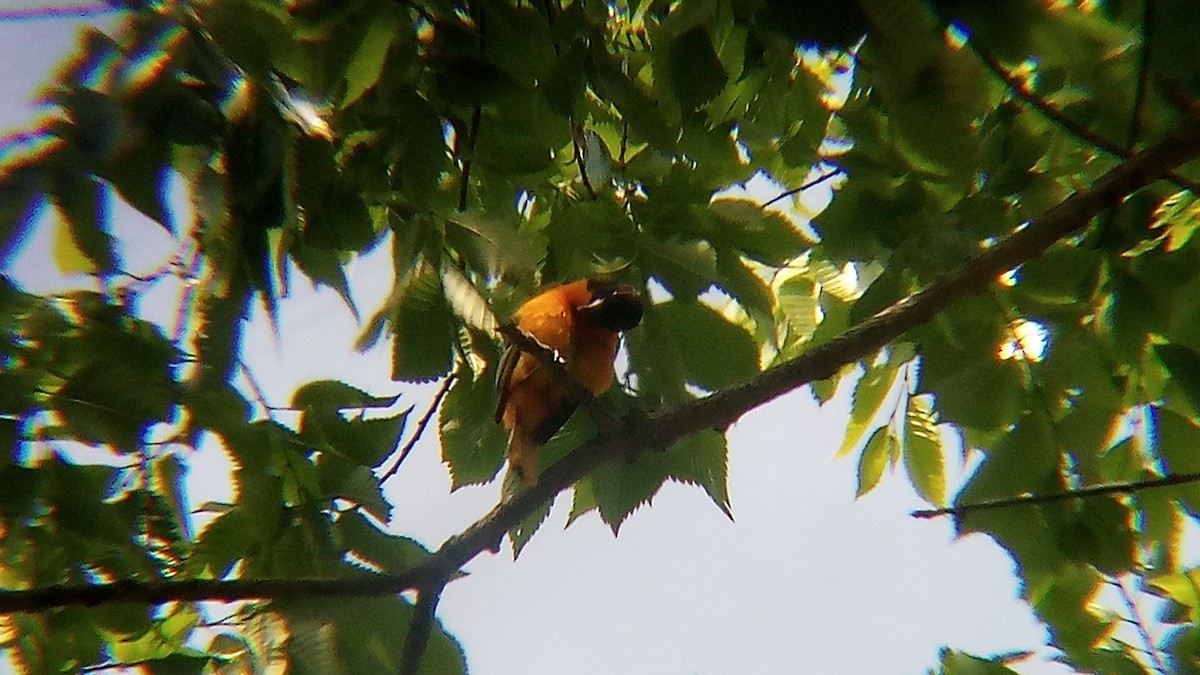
x: 663, y: 429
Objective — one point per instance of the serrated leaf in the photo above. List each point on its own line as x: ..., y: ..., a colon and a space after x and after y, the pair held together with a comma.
x: 764, y: 236
x: 747, y: 288
x: 685, y: 267
x: 342, y: 479
x: 324, y: 268
x: 424, y: 329
x: 866, y: 399
x: 582, y: 500
x: 798, y: 301
x: 702, y: 459
x: 714, y: 352
x: 473, y: 445
x: 334, y: 395
x: 523, y: 532
x: 621, y: 487
x: 493, y: 242
x: 389, y: 552
x: 923, y: 455
x: 874, y: 459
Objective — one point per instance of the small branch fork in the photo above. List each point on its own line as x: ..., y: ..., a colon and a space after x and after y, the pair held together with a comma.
x: 661, y: 429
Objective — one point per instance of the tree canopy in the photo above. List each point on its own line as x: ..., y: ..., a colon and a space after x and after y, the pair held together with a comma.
x: 1007, y: 258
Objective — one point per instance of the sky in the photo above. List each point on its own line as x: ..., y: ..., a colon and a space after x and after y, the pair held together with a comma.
x: 805, y: 579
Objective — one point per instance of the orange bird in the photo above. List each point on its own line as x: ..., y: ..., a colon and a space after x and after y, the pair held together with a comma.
x: 582, y: 322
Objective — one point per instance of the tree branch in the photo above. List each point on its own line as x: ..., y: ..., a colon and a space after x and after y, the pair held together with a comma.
x: 961, y: 510
x: 419, y: 629
x: 648, y: 432
x: 1069, y: 125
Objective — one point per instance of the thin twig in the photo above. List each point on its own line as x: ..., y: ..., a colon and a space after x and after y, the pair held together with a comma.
x: 810, y: 184
x: 421, y: 424
x: 1022, y: 92
x: 961, y: 510
x: 1143, y: 81
x: 1135, y: 615
x: 579, y: 144
x: 465, y: 174
x: 256, y: 390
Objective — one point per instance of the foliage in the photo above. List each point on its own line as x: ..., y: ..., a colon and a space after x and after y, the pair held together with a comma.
x: 516, y: 144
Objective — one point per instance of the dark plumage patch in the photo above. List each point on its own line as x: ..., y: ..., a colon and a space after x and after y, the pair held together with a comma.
x: 615, y: 307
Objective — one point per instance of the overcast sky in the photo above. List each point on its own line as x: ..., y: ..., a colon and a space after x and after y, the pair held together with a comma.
x: 806, y: 580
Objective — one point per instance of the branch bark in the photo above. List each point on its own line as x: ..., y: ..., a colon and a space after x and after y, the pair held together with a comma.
x: 660, y: 430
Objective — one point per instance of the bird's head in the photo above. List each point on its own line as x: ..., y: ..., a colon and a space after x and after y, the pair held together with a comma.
x: 615, y: 307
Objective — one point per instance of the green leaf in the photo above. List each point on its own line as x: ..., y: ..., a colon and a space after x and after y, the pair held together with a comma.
x: 961, y: 663
x: 366, y: 65
x: 750, y: 291
x: 360, y: 636
x: 874, y: 459
x: 1179, y: 215
x: 473, y: 444
x: 1183, y: 364
x: 1175, y: 445
x: 633, y: 100
x: 335, y: 216
x: 389, y: 552
x: 424, y: 328
x: 695, y: 70
x: 702, y: 459
x: 334, y: 395
x: 343, y: 479
x: 798, y: 301
x: 764, y: 236
x: 1064, y: 607
x: 869, y: 393
x: 519, y: 41
x: 714, y: 352
x: 685, y: 267
x: 589, y: 237
x: 493, y: 241
x: 523, y: 532
x: 325, y: 268
x: 82, y: 242
x: 21, y: 188
x: 1025, y: 460
x: 619, y: 488
x: 1102, y: 534
x: 923, y: 455
x: 1161, y: 527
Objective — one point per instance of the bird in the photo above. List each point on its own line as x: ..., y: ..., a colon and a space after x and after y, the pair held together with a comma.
x: 581, y: 321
